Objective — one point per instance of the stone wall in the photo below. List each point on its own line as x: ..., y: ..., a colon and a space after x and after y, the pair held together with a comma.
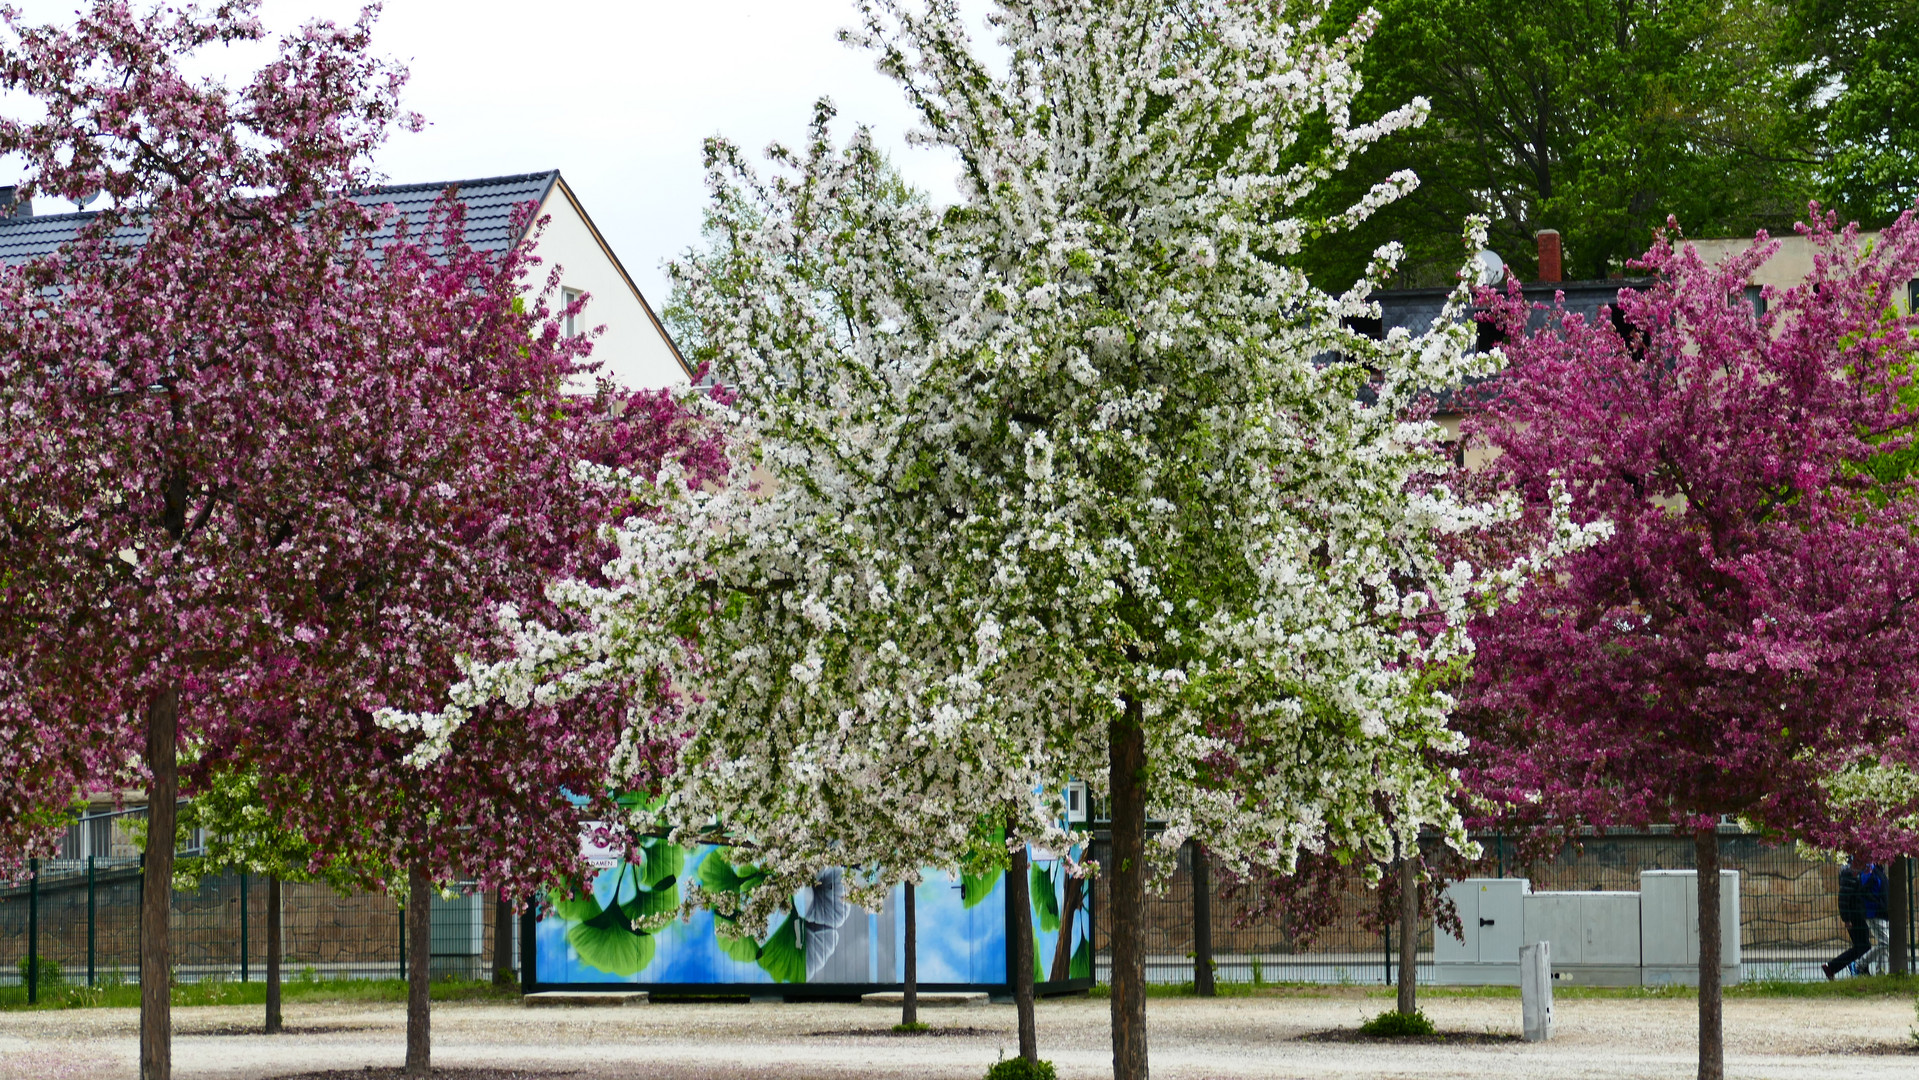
x: 1787, y: 901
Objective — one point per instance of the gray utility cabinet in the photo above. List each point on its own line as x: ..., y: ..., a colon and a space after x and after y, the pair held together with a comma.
x: 1594, y: 935
x: 1646, y: 938
x: 1670, y: 951
x: 459, y: 930
x: 1492, y: 915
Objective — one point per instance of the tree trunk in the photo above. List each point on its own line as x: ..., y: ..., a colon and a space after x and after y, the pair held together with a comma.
x: 1202, y: 922
x: 419, y: 970
x: 1900, y: 913
x: 1408, y: 935
x: 1075, y: 890
x: 275, y: 946
x: 156, y: 888
x: 1126, y: 780
x: 1712, y: 1044
x: 502, y: 941
x: 910, y: 990
x: 1019, y: 957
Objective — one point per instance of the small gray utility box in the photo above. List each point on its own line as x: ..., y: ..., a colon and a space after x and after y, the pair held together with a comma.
x: 1670, y: 900
x: 1492, y: 912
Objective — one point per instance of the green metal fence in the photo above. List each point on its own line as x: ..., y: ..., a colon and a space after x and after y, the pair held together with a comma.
x: 77, y: 922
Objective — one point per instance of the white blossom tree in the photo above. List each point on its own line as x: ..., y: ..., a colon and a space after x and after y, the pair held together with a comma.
x: 1077, y: 478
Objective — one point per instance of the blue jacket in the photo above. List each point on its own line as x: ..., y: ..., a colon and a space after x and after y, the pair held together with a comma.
x: 1872, y: 886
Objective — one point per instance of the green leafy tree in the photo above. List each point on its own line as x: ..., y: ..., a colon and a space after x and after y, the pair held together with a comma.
x: 1857, y: 98
x: 243, y: 834
x: 1597, y: 118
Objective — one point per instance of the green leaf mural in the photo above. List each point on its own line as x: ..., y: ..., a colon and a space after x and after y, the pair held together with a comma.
x: 604, y: 936
x: 742, y: 948
x: 663, y: 864
x: 1045, y: 900
x: 782, y: 956
x: 719, y: 876
x: 608, y: 941
x: 977, y: 887
x: 1082, y: 963
x: 576, y: 910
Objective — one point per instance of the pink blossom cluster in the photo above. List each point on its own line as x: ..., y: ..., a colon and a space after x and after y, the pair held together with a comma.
x: 1752, y: 624
x: 284, y: 457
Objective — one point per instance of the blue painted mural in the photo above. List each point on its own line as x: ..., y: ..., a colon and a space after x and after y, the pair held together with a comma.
x: 819, y: 939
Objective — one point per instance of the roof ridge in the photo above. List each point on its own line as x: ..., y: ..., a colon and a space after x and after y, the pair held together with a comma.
x: 384, y: 189
x: 442, y: 185
x: 71, y: 215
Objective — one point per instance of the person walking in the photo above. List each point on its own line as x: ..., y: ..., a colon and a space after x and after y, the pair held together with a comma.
x: 1872, y: 886
x: 1852, y: 911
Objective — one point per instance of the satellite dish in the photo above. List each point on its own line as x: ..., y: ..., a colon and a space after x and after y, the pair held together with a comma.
x: 1490, y: 269
x: 81, y: 202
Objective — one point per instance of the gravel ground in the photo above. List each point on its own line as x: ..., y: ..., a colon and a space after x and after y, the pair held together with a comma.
x: 1780, y: 1038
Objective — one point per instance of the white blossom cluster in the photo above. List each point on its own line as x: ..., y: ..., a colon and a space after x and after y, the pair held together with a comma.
x: 1087, y: 437
x: 1877, y: 789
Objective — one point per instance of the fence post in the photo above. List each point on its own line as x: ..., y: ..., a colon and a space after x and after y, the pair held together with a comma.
x: 33, y: 931
x: 402, y: 942
x: 1387, y: 938
x: 1900, y: 890
x: 243, y: 927
x: 90, y: 916
x: 529, y: 974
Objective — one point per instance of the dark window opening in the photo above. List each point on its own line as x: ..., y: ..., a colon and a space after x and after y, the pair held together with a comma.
x: 1365, y: 326
x: 1488, y: 336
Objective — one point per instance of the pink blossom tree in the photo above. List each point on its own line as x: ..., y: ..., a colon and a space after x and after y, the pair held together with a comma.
x: 1751, y: 624
x: 273, y: 460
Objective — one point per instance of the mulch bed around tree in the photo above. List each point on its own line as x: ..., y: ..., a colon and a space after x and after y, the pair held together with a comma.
x: 370, y: 1073
x: 890, y: 1033
x: 1909, y: 1048
x: 260, y: 1030
x: 1442, y: 1038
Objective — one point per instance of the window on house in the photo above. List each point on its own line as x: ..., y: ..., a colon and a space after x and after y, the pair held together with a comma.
x: 1912, y: 297
x: 1756, y: 296
x: 575, y: 322
x: 1487, y: 336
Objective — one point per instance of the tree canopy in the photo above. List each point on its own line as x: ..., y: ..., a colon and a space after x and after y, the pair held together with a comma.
x: 1075, y: 478
x: 273, y: 457
x: 1752, y: 624
x: 1601, y: 118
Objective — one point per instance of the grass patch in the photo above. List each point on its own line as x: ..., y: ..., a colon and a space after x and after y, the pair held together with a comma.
x: 1397, y: 1025
x: 1868, y: 986
x: 120, y: 995
x: 1021, y: 1069
x: 913, y: 1028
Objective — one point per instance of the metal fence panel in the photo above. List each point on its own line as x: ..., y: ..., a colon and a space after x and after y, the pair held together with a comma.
x: 88, y: 920
x: 1789, y: 916
x: 86, y: 914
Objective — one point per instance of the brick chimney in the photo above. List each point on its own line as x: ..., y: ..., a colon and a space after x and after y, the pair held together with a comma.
x: 1549, y: 265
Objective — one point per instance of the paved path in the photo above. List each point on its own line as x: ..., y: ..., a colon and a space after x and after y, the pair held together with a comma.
x: 1776, y: 1039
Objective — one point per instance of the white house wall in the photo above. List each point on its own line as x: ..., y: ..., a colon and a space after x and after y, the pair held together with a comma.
x: 633, y: 348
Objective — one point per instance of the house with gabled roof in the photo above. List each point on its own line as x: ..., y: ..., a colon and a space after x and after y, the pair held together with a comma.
x: 633, y: 349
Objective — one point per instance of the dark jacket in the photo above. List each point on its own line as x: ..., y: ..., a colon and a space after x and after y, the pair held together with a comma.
x: 1852, y: 895
x: 1872, y: 887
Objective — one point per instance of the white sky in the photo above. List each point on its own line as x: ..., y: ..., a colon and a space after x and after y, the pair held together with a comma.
x: 617, y: 96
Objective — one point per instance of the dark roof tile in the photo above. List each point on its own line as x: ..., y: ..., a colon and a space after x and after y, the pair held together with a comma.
x: 489, y: 214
